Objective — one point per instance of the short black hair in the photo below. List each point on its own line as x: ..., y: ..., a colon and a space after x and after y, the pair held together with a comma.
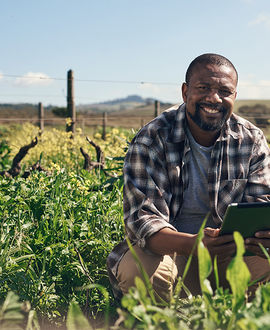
x: 209, y: 58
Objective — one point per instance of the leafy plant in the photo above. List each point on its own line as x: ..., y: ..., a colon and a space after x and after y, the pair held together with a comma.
x: 4, y: 155
x: 15, y: 315
x: 221, y: 309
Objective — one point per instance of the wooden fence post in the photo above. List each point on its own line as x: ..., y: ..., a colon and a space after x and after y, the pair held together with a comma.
x: 41, y: 116
x: 104, y: 125
x: 83, y: 125
x: 70, y: 127
x: 157, y: 108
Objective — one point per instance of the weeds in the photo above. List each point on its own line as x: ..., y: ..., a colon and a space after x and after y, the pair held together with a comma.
x: 56, y: 231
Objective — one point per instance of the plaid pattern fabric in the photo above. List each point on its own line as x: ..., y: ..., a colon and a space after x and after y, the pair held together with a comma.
x: 156, y: 174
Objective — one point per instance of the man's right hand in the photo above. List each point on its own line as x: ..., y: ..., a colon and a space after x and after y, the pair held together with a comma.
x: 221, y: 246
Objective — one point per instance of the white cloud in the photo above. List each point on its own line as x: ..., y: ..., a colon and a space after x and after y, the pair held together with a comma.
x: 33, y: 78
x: 261, y: 19
x: 250, y: 89
x: 154, y: 89
x: 160, y: 92
x: 1, y: 75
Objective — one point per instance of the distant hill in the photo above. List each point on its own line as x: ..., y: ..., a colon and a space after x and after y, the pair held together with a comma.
x: 130, y: 99
x: 22, y: 110
x: 122, y: 104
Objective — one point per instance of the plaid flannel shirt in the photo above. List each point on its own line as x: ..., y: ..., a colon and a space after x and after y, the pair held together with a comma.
x: 156, y: 175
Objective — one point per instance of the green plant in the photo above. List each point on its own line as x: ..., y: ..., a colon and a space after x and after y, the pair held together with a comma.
x: 221, y: 309
x: 4, y: 155
x: 17, y: 315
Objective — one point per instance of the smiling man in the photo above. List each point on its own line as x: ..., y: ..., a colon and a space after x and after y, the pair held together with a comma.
x: 191, y: 161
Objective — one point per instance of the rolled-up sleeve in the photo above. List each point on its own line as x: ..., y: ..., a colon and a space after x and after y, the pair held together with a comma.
x: 147, y: 192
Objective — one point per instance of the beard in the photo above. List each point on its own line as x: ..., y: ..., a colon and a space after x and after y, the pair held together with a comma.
x: 208, y: 125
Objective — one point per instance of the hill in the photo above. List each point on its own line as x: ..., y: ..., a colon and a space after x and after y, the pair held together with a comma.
x: 128, y: 103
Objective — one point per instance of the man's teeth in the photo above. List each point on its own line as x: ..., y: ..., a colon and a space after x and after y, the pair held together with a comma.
x: 210, y: 110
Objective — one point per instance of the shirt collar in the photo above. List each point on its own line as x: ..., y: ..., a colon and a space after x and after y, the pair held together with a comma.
x: 178, y: 132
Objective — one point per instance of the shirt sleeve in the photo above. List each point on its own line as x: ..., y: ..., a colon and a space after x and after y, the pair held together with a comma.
x: 146, y: 194
x: 258, y: 185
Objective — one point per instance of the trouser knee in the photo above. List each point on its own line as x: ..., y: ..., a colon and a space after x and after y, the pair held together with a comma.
x: 161, y: 271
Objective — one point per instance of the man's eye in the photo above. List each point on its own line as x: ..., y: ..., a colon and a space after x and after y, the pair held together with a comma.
x: 225, y: 92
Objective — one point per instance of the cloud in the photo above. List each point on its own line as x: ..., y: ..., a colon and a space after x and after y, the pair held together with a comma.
x: 155, y: 89
x: 249, y: 89
x: 261, y: 19
x: 33, y: 79
x: 160, y: 92
x: 1, y: 75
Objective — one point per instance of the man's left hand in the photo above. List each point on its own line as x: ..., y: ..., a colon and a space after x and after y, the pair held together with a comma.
x: 252, y: 243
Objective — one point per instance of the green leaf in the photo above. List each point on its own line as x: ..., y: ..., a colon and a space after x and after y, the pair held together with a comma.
x: 32, y: 322
x: 180, y: 283
x: 265, y: 252
x: 11, y: 315
x: 238, y: 274
x: 141, y: 288
x: 145, y: 276
x: 11, y: 303
x: 205, y: 268
x: 216, y: 272
x: 75, y: 318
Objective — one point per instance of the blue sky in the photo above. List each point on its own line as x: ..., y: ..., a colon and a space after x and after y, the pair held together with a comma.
x: 116, y: 44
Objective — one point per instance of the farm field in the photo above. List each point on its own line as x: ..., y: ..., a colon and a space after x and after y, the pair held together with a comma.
x: 128, y: 114
x: 59, y: 224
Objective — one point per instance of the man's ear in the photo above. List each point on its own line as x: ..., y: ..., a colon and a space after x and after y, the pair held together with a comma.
x: 184, y: 92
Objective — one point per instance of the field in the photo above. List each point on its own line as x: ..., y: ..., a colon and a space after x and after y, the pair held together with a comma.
x: 122, y: 114
x: 59, y: 224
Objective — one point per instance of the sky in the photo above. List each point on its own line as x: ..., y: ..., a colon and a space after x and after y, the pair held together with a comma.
x: 118, y: 48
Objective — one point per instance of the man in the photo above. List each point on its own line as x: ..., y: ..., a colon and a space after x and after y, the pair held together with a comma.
x: 192, y: 160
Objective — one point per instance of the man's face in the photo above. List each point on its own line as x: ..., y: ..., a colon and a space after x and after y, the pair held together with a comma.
x: 210, y: 96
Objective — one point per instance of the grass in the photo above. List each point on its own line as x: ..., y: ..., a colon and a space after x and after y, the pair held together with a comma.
x: 55, y: 238
x: 56, y: 231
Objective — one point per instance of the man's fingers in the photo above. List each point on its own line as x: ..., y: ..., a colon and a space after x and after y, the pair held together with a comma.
x: 256, y: 250
x: 223, y: 252
x: 252, y: 245
x: 263, y: 234
x: 216, y: 241
x: 257, y: 241
x: 213, y: 232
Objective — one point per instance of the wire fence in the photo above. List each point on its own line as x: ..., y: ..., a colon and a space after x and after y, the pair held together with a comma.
x: 124, y: 121
x: 135, y: 122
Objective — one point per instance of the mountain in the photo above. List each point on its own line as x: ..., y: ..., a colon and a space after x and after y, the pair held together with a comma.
x: 129, y: 99
x: 121, y: 104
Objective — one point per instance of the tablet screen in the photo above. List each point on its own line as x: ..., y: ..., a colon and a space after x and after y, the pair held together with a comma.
x: 246, y: 218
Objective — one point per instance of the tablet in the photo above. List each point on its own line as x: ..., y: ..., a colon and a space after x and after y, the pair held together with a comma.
x: 246, y: 218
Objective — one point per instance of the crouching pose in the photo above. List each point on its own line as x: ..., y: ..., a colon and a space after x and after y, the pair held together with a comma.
x: 192, y: 160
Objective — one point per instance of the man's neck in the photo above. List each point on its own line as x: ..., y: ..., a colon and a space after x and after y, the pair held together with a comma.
x: 204, y: 138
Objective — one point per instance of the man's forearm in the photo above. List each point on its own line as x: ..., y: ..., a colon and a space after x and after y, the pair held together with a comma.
x: 168, y: 242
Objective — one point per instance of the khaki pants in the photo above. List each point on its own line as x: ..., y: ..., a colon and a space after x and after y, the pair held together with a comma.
x: 163, y: 272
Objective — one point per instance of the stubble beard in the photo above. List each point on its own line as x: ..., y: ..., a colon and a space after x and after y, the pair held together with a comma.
x: 208, y: 126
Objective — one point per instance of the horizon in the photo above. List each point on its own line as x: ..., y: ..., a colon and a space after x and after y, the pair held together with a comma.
x: 120, y: 99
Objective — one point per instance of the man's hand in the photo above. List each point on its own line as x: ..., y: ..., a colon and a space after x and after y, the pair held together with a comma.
x: 221, y: 246
x: 252, y: 243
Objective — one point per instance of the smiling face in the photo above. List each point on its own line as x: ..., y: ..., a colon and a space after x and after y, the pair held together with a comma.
x: 209, y: 97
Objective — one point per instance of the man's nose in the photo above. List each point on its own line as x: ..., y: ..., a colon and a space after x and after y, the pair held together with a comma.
x: 213, y: 96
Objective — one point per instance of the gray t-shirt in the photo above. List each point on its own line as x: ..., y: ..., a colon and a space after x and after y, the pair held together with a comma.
x: 196, y: 198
